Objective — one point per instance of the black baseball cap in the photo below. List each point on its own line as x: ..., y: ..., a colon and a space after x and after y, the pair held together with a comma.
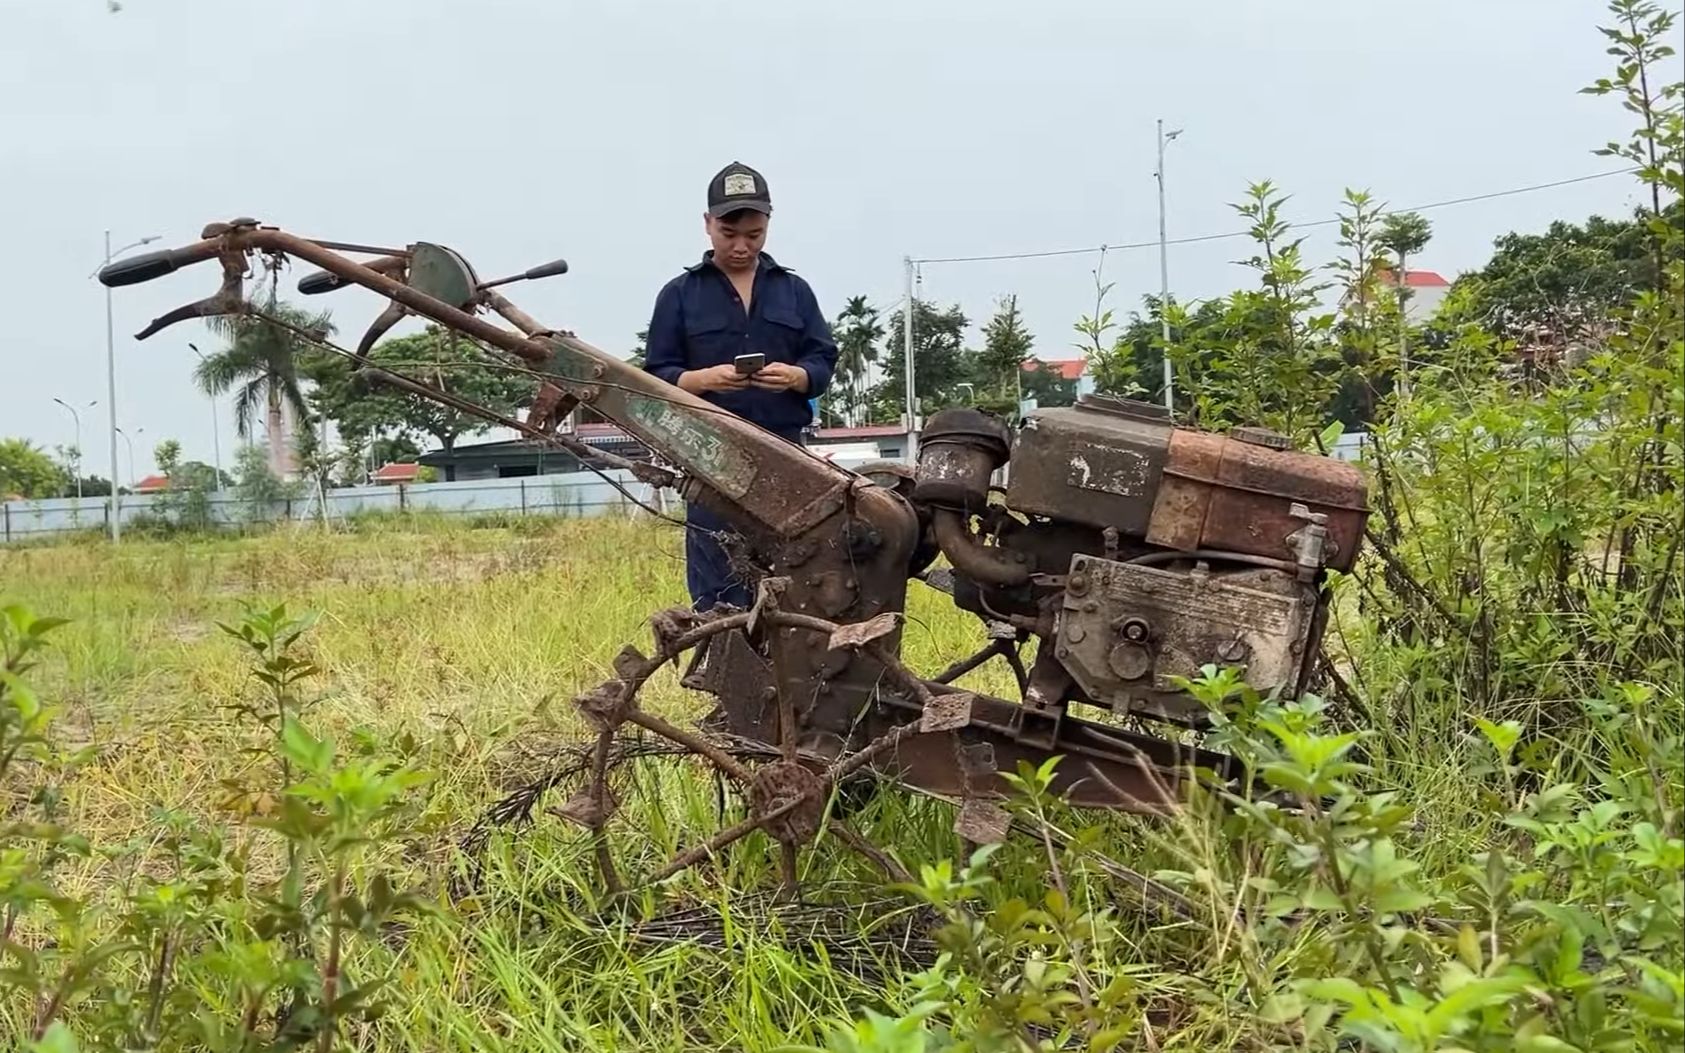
x: 736, y: 187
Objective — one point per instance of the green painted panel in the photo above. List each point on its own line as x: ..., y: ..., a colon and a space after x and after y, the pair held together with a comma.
x: 442, y: 274
x: 692, y: 439
x: 569, y: 364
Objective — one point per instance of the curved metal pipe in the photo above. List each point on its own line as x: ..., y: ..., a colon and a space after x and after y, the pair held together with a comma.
x: 972, y: 558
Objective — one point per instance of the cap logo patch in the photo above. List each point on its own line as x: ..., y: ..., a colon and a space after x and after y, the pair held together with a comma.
x: 739, y: 183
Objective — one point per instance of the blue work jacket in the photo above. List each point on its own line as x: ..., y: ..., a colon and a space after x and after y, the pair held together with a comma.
x: 699, y: 321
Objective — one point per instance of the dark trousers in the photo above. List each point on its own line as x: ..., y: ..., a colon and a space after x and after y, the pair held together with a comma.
x: 708, y: 572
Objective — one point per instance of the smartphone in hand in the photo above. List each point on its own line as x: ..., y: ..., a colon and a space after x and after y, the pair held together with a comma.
x: 749, y: 365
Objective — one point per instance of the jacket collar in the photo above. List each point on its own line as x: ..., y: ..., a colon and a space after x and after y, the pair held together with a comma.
x: 764, y: 262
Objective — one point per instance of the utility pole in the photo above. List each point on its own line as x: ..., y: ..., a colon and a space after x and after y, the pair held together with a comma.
x: 907, y: 354
x: 216, y: 438
x: 1164, y: 269
x: 111, y: 383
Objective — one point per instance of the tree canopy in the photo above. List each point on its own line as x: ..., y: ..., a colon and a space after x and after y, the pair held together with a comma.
x: 939, y: 353
x: 364, y: 409
x: 1563, y: 279
x: 28, y: 471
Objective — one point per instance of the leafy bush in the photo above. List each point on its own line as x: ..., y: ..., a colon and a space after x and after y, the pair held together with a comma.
x: 193, y: 948
x: 1473, y: 842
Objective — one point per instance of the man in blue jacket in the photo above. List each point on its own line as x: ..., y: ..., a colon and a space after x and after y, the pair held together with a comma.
x: 738, y: 300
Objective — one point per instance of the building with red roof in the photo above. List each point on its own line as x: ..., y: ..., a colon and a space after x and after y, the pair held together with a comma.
x: 395, y: 473
x: 1427, y: 291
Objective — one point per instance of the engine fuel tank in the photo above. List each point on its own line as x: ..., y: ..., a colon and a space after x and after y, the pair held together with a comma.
x: 1110, y: 462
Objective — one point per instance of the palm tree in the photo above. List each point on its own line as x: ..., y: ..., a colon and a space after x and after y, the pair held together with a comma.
x: 857, y: 334
x: 262, y: 365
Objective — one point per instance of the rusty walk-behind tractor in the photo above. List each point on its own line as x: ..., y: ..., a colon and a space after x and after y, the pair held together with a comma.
x: 1131, y: 552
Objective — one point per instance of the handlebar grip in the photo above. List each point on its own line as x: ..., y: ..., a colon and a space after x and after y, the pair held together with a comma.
x: 141, y: 268
x: 547, y: 270
x: 319, y: 282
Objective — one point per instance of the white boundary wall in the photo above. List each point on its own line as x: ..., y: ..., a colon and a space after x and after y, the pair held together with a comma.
x: 580, y: 494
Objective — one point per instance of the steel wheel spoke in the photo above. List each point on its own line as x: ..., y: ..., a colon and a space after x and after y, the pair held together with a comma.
x: 885, y: 862
x: 692, y: 856
x: 787, y: 867
x: 696, y: 743
x: 599, y: 796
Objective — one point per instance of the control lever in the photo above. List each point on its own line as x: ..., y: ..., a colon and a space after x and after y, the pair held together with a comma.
x: 543, y: 270
x: 318, y: 282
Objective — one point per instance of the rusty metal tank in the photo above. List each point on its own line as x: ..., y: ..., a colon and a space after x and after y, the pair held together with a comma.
x: 1121, y: 463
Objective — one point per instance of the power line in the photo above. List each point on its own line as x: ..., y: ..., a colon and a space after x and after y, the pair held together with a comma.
x: 1242, y: 233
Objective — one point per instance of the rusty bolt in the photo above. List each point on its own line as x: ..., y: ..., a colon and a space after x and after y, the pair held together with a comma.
x: 1076, y: 634
x: 1136, y: 629
x: 1078, y: 583
x: 1064, y: 652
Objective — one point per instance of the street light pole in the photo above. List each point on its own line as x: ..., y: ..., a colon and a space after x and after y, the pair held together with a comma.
x: 77, y: 466
x: 216, y: 438
x: 111, y: 402
x: 130, y: 443
x: 1164, y: 269
x: 111, y: 384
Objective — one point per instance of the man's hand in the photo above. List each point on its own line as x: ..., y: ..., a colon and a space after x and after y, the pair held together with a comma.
x: 780, y: 376
x: 714, y: 378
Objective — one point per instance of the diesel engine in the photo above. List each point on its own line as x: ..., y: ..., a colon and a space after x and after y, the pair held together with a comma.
x: 1136, y: 552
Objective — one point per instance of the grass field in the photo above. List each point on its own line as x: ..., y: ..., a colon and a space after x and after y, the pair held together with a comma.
x: 471, y: 642
x: 461, y: 647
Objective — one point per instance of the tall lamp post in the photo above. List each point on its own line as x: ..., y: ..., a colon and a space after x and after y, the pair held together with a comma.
x: 77, y: 417
x: 130, y: 443
x: 1164, y: 267
x: 111, y: 381
x: 216, y: 439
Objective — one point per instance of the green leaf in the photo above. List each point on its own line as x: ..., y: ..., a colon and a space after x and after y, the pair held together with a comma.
x: 1283, y: 1007
x: 1474, y: 995
x: 1400, y: 900
x: 1469, y: 951
x: 304, y: 749
x: 56, y: 1039
x: 1321, y: 897
x: 1502, y: 736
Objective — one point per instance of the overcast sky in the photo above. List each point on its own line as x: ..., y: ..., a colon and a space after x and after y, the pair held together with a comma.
x: 520, y: 130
